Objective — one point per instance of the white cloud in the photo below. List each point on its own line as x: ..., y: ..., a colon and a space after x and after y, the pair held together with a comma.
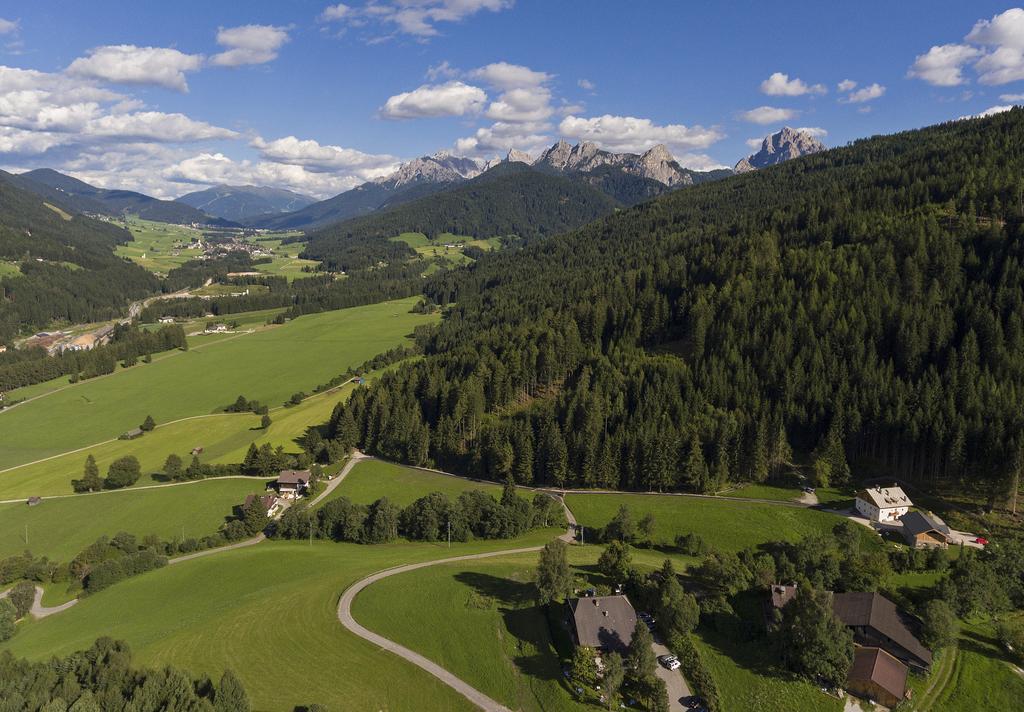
x: 846, y: 85
x: 868, y: 93
x: 754, y: 143
x: 155, y: 126
x: 698, y: 162
x: 1004, y: 65
x: 412, y: 17
x: 333, y: 13
x: 942, y: 65
x: 249, y: 44
x: 128, y: 64
x: 1005, y: 30
x: 324, y: 158
x: 452, y: 98
x: 502, y: 136
x: 522, y: 105
x: 768, y: 115
x: 586, y: 85
x: 628, y: 133
x: 779, y: 84
x: 22, y: 142
x: 815, y: 131
x: 987, y: 112
x: 216, y: 168
x: 1012, y: 97
x: 444, y: 70
x: 505, y: 76
x: 8, y: 26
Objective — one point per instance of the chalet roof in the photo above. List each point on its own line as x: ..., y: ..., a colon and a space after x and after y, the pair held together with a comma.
x: 604, y: 621
x: 915, y: 523
x: 293, y: 477
x: 267, y: 500
x: 877, y: 666
x: 876, y: 611
x: 885, y: 497
x: 782, y: 594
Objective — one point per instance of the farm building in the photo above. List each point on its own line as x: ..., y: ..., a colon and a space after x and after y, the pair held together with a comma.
x: 605, y: 623
x: 269, y: 502
x: 33, y: 501
x: 216, y: 328
x: 883, y: 504
x: 877, y: 622
x: 131, y: 434
x: 877, y: 676
x: 925, y: 530
x: 166, y: 320
x: 291, y: 483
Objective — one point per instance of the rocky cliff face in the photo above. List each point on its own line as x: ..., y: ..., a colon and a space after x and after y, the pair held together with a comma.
x: 657, y: 163
x: 778, y: 147
x: 442, y: 167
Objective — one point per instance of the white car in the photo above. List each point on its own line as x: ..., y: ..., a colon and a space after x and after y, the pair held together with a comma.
x: 669, y: 661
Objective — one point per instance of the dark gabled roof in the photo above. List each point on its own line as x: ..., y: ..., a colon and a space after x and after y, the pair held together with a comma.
x: 782, y: 594
x: 876, y: 611
x: 915, y: 523
x: 877, y: 666
x: 603, y: 621
x: 293, y: 477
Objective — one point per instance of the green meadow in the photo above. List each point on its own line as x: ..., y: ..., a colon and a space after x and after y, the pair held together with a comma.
x: 249, y: 608
x: 370, y: 480
x: 224, y: 437
x: 728, y: 525
x: 152, y: 245
x: 482, y: 623
x: 268, y: 366
x: 60, y: 528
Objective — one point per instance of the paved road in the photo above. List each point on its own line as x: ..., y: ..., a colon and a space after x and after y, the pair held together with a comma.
x: 354, y: 460
x: 678, y: 689
x: 38, y: 610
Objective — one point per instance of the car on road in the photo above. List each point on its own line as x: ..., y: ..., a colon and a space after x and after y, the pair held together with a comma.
x: 670, y: 662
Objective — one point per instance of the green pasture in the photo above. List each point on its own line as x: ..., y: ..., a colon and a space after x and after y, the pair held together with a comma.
x: 60, y: 528
x: 370, y: 480
x: 267, y: 366
x: 726, y: 525
x: 246, y: 609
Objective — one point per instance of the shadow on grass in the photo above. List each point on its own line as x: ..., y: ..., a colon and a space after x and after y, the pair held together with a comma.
x: 535, y: 654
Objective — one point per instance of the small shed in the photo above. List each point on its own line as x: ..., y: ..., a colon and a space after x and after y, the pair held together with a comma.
x: 924, y: 530
x: 877, y: 676
x: 197, y: 450
x: 132, y: 434
x: 33, y: 501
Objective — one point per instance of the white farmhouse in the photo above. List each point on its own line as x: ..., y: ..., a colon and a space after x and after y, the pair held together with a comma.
x: 883, y: 504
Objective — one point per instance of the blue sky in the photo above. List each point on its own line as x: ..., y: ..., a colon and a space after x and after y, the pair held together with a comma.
x: 317, y: 97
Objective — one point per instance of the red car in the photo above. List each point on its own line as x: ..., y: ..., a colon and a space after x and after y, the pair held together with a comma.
x: 981, y: 540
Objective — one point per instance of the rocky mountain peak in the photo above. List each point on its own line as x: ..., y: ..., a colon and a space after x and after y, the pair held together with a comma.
x: 517, y: 156
x: 781, y: 146
x: 442, y: 167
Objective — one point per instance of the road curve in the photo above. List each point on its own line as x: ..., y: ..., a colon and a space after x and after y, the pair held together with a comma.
x: 459, y: 685
x: 38, y: 610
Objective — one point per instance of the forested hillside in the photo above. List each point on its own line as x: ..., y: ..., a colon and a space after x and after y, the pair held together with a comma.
x: 509, y: 199
x: 68, y: 269
x: 860, y: 304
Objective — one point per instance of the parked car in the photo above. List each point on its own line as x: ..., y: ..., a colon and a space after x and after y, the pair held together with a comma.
x: 669, y: 661
x: 809, y: 490
x: 981, y: 540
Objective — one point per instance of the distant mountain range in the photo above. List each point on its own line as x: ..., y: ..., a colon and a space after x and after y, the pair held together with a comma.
x: 241, y: 202
x: 778, y: 147
x: 77, y: 196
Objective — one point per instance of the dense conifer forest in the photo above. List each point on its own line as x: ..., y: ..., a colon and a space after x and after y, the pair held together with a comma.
x: 861, y: 304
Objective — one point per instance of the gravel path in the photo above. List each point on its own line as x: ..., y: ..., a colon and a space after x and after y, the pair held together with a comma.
x: 38, y: 610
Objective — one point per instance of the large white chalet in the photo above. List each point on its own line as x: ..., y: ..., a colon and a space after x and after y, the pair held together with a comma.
x: 883, y: 504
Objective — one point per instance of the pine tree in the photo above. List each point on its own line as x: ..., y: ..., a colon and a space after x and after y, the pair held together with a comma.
x: 554, y: 577
x: 230, y: 695
x: 148, y: 424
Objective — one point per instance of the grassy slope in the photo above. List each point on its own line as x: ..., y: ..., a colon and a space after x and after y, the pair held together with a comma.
x: 60, y: 528
x: 727, y: 525
x: 981, y: 678
x: 481, y: 623
x: 248, y: 608
x: 373, y: 479
x: 267, y: 366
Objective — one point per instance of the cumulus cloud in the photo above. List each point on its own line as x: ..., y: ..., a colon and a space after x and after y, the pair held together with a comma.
x: 531, y: 105
x: 586, y: 85
x: 444, y: 70
x: 216, y: 168
x: 128, y: 64
x: 1005, y: 30
x: 411, y: 17
x: 505, y: 76
x: 942, y: 65
x: 452, y: 98
x: 155, y: 126
x: 846, y: 85
x: 8, y: 26
x: 502, y: 136
x: 249, y: 44
x: 868, y: 93
x: 779, y: 84
x: 317, y: 157
x: 815, y: 131
x: 987, y: 112
x: 768, y: 115
x: 754, y: 143
x: 1012, y: 97
x: 629, y: 133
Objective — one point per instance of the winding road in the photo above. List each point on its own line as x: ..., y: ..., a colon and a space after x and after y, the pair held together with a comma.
x: 38, y: 610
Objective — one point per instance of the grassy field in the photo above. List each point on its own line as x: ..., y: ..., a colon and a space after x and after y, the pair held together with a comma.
x: 482, y: 624
x: 224, y: 438
x: 60, y: 528
x: 153, y: 243
x: 267, y: 366
x: 729, y: 526
x: 372, y: 479
x: 9, y: 269
x: 246, y: 609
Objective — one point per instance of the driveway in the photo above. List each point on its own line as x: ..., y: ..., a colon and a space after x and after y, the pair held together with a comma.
x: 678, y: 689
